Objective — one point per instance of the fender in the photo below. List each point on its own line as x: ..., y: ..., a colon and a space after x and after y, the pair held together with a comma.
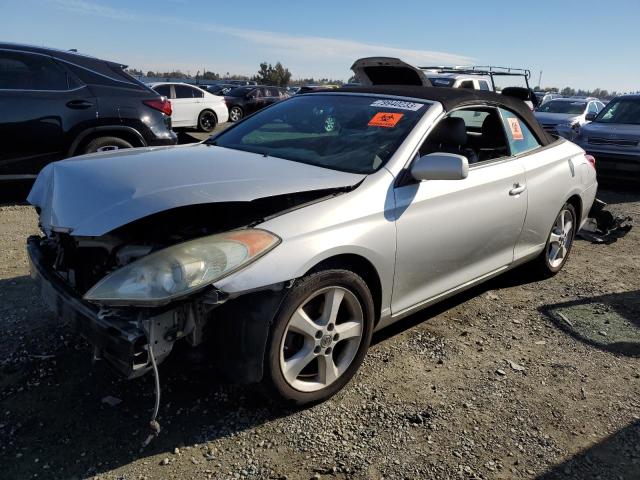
x: 123, y: 128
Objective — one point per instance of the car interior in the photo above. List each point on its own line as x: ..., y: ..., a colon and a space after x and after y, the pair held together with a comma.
x: 478, y: 134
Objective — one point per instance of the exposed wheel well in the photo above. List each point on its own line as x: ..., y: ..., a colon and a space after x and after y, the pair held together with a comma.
x: 123, y: 134
x: 208, y: 110
x: 361, y: 266
x: 576, y: 201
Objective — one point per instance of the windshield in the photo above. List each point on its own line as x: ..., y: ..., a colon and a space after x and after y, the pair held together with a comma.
x: 621, y: 110
x: 239, y: 91
x: 441, y: 82
x: 350, y: 133
x: 556, y: 106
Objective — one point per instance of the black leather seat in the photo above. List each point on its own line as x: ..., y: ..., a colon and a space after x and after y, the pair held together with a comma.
x: 449, y: 136
x: 493, y: 143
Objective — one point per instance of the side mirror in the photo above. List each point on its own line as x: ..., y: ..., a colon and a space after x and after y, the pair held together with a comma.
x: 440, y: 166
x: 590, y: 117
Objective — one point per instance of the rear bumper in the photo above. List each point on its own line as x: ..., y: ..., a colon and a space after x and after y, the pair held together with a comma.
x: 120, y: 340
x: 616, y: 165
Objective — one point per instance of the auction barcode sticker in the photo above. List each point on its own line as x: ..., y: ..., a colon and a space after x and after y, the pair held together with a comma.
x: 399, y: 104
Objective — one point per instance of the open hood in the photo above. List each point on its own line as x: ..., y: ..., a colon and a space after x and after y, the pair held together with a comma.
x: 388, y: 71
x: 95, y: 194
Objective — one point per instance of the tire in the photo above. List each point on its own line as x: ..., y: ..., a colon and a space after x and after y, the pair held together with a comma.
x: 235, y: 114
x: 558, y: 246
x: 207, y: 121
x: 104, y: 144
x: 295, y: 362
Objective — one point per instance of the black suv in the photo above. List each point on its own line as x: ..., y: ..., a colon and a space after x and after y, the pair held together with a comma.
x: 56, y: 104
x: 243, y: 101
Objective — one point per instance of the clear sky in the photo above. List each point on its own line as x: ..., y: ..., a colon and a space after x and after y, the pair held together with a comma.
x: 583, y: 44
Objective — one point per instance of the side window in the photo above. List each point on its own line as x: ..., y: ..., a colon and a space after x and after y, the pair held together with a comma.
x: 520, y: 137
x: 592, y: 108
x: 24, y: 71
x: 258, y: 93
x: 484, y: 85
x: 164, y: 90
x: 467, y: 84
x: 599, y: 106
x: 183, y: 91
x: 476, y: 133
x: 197, y: 93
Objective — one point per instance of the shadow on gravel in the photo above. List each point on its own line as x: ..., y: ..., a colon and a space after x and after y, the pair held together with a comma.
x: 609, y: 322
x: 15, y: 193
x: 54, y: 422
x: 617, y: 456
x: 513, y: 278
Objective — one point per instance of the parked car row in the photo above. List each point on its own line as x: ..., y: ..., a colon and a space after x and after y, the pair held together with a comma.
x: 57, y: 104
x: 565, y: 116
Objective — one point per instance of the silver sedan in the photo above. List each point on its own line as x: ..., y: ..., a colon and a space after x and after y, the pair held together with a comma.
x: 281, y: 244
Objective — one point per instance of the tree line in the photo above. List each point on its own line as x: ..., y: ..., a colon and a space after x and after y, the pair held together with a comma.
x: 267, y: 74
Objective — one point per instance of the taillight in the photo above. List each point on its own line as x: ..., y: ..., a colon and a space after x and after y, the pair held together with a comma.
x: 161, y: 104
x: 591, y: 159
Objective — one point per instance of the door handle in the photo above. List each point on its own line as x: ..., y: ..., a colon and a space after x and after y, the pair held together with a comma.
x: 79, y: 104
x: 517, y: 189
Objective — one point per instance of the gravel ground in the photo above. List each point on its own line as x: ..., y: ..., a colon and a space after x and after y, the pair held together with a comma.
x: 509, y: 380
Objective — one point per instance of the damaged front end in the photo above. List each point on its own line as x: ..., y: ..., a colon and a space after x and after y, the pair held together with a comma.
x: 122, y: 291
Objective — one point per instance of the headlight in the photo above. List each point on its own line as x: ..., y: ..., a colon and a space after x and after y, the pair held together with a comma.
x: 181, y: 269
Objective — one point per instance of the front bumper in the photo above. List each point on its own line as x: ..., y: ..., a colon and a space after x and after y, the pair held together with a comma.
x: 120, y: 337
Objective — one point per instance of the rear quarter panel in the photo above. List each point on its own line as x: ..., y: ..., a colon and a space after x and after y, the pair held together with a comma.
x: 553, y: 174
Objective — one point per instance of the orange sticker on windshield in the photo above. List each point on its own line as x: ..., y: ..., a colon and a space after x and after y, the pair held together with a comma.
x: 516, y: 131
x: 386, y: 120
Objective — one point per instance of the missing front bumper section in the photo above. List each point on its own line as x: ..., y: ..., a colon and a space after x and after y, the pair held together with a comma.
x: 119, y: 336
x: 236, y: 328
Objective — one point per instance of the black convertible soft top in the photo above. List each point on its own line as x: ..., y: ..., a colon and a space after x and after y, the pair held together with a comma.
x: 451, y: 98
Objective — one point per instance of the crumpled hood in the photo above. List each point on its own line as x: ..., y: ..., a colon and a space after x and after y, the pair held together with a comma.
x: 95, y: 194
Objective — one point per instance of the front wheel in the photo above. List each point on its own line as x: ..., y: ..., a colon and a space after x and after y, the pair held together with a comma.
x: 559, y: 243
x: 320, y: 337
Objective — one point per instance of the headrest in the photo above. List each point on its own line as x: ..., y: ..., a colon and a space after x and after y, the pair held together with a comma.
x: 521, y: 93
x: 450, y: 131
x: 492, y: 131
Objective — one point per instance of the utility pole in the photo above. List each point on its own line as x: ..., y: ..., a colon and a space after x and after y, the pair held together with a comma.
x: 540, y: 80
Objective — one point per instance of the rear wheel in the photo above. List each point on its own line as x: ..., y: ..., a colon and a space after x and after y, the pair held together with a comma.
x: 235, y: 114
x: 320, y: 337
x: 559, y: 243
x: 105, y: 144
x: 207, y: 121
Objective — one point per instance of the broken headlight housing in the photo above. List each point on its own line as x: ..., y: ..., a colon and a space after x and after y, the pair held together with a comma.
x: 175, y: 271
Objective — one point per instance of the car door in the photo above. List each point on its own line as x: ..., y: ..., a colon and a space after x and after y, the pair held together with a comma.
x: 452, y: 232
x: 548, y: 174
x: 185, y: 106
x: 40, y: 104
x: 255, y: 100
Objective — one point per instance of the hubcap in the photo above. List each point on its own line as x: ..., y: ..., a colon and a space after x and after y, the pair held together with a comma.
x: 560, y: 238
x: 321, y: 339
x: 107, y: 148
x: 235, y: 114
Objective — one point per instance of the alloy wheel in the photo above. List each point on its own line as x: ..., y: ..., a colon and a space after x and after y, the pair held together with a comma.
x: 235, y: 114
x: 321, y: 339
x: 560, y: 238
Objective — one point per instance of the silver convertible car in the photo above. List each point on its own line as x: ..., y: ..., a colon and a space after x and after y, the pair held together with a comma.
x: 282, y: 243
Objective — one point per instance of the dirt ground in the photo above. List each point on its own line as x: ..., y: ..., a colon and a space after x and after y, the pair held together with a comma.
x: 512, y: 380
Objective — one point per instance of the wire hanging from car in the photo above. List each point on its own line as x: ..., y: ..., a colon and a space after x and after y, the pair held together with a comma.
x: 153, y: 424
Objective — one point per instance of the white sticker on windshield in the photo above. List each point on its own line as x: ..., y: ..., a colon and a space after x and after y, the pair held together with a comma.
x: 399, y: 104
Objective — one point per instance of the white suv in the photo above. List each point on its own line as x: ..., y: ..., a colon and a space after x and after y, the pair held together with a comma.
x: 192, y: 106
